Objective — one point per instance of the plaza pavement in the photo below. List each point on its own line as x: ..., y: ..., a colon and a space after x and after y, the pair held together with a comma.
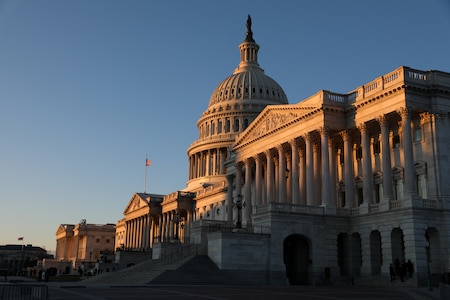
x: 83, y: 290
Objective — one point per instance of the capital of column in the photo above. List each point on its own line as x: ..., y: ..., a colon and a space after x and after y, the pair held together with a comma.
x: 307, y: 137
x: 258, y: 157
x: 248, y: 161
x: 230, y: 177
x: 268, y: 153
x: 293, y: 142
x: 345, y: 134
x: 324, y: 130
x: 363, y: 128
x: 425, y: 117
x: 383, y: 120
x: 405, y: 113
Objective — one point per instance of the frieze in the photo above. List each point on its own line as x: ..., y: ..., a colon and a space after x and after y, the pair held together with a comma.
x: 273, y: 121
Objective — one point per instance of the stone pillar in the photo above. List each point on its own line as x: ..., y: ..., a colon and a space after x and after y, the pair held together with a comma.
x: 281, y: 175
x: 247, y: 217
x: 165, y: 231
x: 333, y: 172
x: 127, y: 234
x: 317, y: 177
x: 410, y: 173
x: 348, y: 170
x: 258, y: 180
x: 365, y: 252
x: 367, y: 165
x: 230, y: 205
x: 386, y: 248
x: 238, y: 179
x: 309, y: 170
x: 270, y: 177
x: 326, y: 188
x: 208, y: 162
x: 302, y: 178
x: 214, y: 163
x: 151, y: 234
x: 388, y: 191
x: 294, y: 172
x: 288, y: 178
x: 160, y: 232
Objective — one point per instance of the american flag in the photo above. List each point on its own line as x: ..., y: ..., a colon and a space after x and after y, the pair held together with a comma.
x: 148, y: 162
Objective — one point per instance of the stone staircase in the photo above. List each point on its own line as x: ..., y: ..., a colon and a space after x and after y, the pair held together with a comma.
x: 187, y: 270
x: 146, y: 271
x: 201, y: 270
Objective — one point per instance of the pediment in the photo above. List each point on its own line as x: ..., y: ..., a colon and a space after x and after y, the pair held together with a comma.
x: 271, y: 119
x: 136, y: 202
x: 63, y: 228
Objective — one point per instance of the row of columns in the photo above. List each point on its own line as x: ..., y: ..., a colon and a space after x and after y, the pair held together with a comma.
x: 303, y: 188
x: 223, y: 125
x: 139, y: 232
x: 143, y: 231
x: 207, y: 163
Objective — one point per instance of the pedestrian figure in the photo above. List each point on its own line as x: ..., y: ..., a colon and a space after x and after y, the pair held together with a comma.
x: 397, y: 268
x: 410, y: 268
x: 392, y: 272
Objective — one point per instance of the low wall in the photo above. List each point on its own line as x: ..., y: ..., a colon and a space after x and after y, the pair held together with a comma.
x: 125, y: 259
x: 239, y: 250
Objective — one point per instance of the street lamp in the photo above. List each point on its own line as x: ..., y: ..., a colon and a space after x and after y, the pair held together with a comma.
x: 177, y: 221
x: 239, y: 204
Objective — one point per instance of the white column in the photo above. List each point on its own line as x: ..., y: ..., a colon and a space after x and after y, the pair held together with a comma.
x: 326, y: 200
x: 294, y: 172
x: 388, y: 191
x: 309, y: 170
x: 333, y: 171
x: 348, y: 170
x: 151, y: 235
x: 269, y: 177
x: 281, y: 175
x: 208, y: 162
x: 214, y: 163
x: 302, y: 177
x: 367, y: 165
x: 410, y: 173
x: 230, y: 205
x: 258, y: 180
x: 317, y: 182
x: 247, y: 194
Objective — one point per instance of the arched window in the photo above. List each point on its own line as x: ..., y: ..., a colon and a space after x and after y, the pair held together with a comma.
x: 236, y: 125
x: 227, y: 125
x: 219, y: 126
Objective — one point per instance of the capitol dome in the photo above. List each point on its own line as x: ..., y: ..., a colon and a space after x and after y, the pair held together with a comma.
x: 248, y: 80
x: 251, y: 83
x: 233, y: 105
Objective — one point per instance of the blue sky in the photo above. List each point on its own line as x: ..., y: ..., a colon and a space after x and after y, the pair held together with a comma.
x: 89, y: 87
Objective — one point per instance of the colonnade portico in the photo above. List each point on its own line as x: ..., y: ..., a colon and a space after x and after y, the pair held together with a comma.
x: 306, y: 167
x: 140, y: 232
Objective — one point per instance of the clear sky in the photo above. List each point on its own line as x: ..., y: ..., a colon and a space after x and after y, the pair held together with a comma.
x: 89, y: 87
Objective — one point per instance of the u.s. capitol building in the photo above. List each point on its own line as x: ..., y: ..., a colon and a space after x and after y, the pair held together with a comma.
x: 334, y: 186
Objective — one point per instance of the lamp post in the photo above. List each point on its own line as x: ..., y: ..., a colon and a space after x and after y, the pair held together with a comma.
x: 177, y: 221
x: 239, y: 204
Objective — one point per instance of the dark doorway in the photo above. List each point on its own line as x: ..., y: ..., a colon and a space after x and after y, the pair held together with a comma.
x: 296, y: 259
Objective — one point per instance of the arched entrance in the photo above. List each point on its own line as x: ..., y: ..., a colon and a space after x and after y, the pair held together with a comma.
x: 296, y: 259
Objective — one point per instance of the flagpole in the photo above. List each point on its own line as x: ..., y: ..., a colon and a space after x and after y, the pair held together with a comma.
x: 145, y: 177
